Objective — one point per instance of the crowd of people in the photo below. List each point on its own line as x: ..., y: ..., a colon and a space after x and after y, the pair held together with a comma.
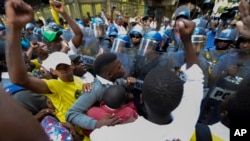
x: 119, y: 79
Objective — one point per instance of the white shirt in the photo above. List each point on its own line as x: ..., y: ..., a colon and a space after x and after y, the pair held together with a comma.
x: 153, y: 24
x: 73, y: 49
x: 88, y: 78
x: 104, y: 81
x: 184, y: 117
x: 163, y: 28
x: 121, y: 29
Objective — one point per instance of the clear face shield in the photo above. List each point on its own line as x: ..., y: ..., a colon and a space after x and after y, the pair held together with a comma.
x: 119, y: 45
x: 99, y: 29
x: 198, y: 42
x: 89, y: 45
x: 147, y: 46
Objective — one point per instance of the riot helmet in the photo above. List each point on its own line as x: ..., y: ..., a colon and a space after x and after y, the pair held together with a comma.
x: 120, y: 42
x: 151, y: 41
x: 182, y: 11
x: 30, y: 26
x: 2, y: 27
x: 97, y: 24
x: 200, y: 22
x: 79, y: 21
x: 38, y: 33
x: 166, y: 39
x: 199, y: 38
x: 3, y: 30
x: 112, y: 35
x: 225, y: 38
x: 136, y: 30
x: 136, y: 34
x: 113, y: 31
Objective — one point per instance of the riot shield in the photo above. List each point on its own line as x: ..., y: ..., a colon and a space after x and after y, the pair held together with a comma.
x: 99, y: 29
x: 229, y: 74
x: 106, y: 44
x: 143, y: 64
x: 146, y: 46
x: 141, y: 67
x: 119, y: 46
x: 126, y: 56
x: 89, y: 48
x: 149, y: 56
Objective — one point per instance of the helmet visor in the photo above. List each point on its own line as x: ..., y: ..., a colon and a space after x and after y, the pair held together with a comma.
x: 99, y: 29
x: 118, y: 45
x: 146, y: 46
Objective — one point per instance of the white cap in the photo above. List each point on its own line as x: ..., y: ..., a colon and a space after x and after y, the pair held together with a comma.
x: 55, y: 59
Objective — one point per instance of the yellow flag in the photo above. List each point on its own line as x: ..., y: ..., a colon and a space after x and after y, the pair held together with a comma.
x: 55, y: 14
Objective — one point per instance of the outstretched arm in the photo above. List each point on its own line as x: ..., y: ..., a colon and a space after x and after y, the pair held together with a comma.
x: 112, y: 15
x: 18, y: 14
x: 78, y: 35
x: 186, y: 28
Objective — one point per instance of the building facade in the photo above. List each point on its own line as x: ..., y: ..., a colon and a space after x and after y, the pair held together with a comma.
x: 80, y: 8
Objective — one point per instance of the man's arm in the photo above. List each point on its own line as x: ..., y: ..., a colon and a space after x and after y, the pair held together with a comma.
x: 191, y: 98
x: 18, y: 14
x: 77, y: 113
x: 78, y: 35
x: 16, y: 123
x: 186, y: 29
x: 112, y: 15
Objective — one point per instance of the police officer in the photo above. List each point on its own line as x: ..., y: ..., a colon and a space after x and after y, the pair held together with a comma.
x: 30, y: 36
x: 149, y: 56
x: 136, y: 34
x: 227, y: 74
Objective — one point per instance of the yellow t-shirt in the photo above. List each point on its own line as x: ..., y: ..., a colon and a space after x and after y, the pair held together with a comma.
x: 63, y: 95
x: 214, y: 137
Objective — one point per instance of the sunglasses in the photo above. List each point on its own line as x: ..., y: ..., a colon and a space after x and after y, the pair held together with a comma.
x: 137, y: 37
x: 113, y: 36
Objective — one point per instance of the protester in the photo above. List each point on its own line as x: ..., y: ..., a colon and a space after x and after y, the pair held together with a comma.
x: 109, y: 71
x: 115, y: 102
x: 62, y: 91
x: 80, y: 69
x: 52, y: 33
x: 167, y: 102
